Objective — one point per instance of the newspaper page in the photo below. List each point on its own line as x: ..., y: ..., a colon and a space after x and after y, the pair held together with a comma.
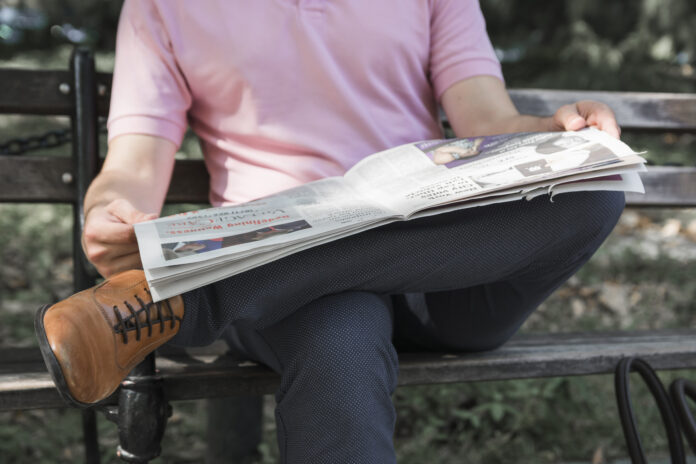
x: 191, y: 249
x: 295, y: 215
x: 432, y: 173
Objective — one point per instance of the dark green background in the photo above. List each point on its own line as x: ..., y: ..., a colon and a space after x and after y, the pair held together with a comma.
x: 637, y: 45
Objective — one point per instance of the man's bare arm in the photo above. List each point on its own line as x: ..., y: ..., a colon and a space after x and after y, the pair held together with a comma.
x: 481, y: 106
x: 130, y: 188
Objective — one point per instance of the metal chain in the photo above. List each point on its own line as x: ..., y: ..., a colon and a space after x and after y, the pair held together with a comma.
x: 51, y: 139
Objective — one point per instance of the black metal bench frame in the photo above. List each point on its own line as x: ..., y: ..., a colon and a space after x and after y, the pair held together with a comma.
x: 83, y: 94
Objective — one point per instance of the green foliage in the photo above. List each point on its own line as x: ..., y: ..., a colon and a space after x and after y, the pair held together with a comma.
x: 91, y: 23
x: 25, y: 436
x: 594, y: 44
x: 646, y: 45
x: 51, y: 447
x: 36, y: 252
x: 524, y: 421
x: 664, y: 149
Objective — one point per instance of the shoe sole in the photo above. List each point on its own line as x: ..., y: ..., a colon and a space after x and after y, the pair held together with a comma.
x: 52, y: 363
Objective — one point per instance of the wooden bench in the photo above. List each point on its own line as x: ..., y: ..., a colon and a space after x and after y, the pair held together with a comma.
x: 83, y: 95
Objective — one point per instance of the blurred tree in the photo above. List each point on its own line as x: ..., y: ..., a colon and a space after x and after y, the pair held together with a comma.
x: 593, y: 44
x: 45, y: 24
x: 596, y: 44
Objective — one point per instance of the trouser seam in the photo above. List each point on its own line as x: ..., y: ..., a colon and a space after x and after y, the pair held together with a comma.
x: 284, y: 452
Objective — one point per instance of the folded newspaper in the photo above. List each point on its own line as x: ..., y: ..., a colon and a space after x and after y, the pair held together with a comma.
x: 192, y: 249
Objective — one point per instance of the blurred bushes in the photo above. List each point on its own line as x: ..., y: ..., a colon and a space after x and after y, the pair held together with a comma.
x: 596, y: 44
x: 646, y: 45
x: 593, y: 44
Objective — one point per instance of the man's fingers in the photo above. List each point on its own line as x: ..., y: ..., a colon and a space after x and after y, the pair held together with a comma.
x: 100, y: 253
x: 115, y: 224
x: 126, y: 212
x: 587, y: 113
x: 569, y: 118
x: 109, y: 233
x: 124, y: 263
x: 109, y: 238
x: 611, y: 128
x: 600, y: 116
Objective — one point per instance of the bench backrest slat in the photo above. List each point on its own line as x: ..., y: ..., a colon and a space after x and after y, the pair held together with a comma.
x: 634, y: 110
x: 29, y: 91
x: 35, y: 179
x: 38, y: 92
x: 666, y: 186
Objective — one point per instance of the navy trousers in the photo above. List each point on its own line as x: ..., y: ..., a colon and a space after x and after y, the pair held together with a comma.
x: 328, y: 319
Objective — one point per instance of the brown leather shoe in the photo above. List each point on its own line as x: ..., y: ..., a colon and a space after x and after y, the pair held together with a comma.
x: 93, y: 339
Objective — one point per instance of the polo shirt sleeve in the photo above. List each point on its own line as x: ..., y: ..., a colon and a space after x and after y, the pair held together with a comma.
x: 459, y: 45
x: 149, y: 93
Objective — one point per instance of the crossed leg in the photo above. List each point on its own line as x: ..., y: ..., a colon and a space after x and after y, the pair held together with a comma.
x: 323, y: 318
x: 496, y: 261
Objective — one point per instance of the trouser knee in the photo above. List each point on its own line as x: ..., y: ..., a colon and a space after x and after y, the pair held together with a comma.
x: 579, y: 222
x: 597, y: 211
x: 341, y: 344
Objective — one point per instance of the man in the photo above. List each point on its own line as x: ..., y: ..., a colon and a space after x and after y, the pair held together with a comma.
x: 281, y: 93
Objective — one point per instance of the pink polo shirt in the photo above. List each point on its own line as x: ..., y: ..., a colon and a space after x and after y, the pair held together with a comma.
x: 283, y: 92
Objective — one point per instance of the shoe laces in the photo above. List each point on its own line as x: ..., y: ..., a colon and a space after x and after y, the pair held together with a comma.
x: 132, y: 322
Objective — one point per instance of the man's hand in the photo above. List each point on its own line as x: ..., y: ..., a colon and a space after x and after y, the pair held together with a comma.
x: 109, y: 238
x: 132, y: 183
x: 481, y: 106
x: 586, y: 113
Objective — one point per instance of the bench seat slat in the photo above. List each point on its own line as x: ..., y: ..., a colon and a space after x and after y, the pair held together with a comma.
x: 40, y: 179
x: 210, y: 373
x: 28, y: 390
